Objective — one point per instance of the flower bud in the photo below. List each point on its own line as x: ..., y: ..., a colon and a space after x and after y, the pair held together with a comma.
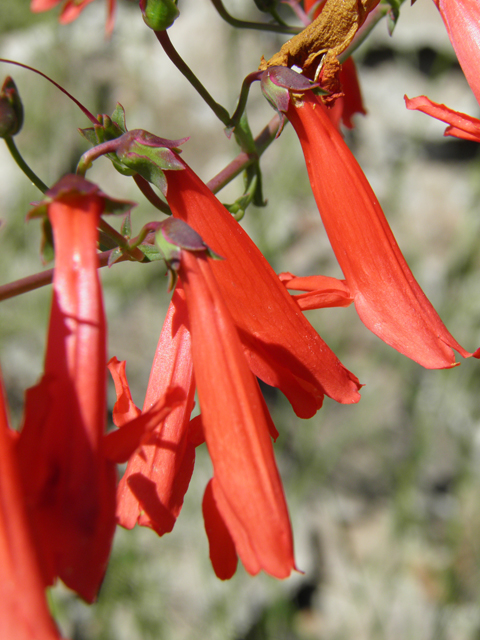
x: 159, y: 15
x: 11, y: 109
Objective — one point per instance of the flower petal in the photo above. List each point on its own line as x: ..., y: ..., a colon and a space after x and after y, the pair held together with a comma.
x: 462, y: 19
x: 222, y: 548
x: 152, y: 489
x: 282, y: 347
x: 23, y: 608
x: 461, y: 125
x: 250, y: 495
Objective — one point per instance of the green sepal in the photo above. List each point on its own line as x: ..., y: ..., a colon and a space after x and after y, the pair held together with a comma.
x: 119, y: 118
x: 115, y: 255
x: 149, y: 155
x: 109, y: 128
x: 174, y: 236
x: 126, y: 228
x: 150, y: 251
x: 238, y: 208
x: 393, y: 14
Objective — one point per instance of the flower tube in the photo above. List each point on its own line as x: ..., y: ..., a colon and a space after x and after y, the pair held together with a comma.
x: 282, y: 347
x: 69, y: 483
x: 24, y: 612
x: 152, y: 489
x: 387, y: 297
x: 462, y: 20
x: 246, y: 488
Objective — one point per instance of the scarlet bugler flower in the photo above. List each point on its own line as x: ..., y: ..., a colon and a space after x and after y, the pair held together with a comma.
x: 387, y: 297
x: 282, y: 347
x: 69, y: 483
x: 24, y: 612
x: 153, y: 486
x: 72, y: 9
x: 462, y: 19
x: 244, y: 506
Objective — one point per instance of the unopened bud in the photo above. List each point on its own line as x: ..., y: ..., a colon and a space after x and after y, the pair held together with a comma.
x: 159, y: 14
x: 11, y: 109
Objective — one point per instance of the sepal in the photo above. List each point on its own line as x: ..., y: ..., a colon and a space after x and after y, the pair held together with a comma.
x: 278, y: 83
x: 173, y: 236
x: 149, y: 155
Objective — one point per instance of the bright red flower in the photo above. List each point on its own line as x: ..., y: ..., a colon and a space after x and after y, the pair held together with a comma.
x: 387, y: 297
x: 23, y: 608
x: 282, y: 347
x: 245, y: 500
x: 72, y: 9
x: 69, y: 483
x: 462, y: 19
x: 460, y: 124
x: 152, y: 489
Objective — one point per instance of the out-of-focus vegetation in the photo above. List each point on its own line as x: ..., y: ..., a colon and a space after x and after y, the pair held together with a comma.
x: 384, y: 495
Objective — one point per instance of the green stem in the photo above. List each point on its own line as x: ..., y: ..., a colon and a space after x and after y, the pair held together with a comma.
x: 150, y: 194
x: 218, y: 110
x: 242, y: 24
x: 242, y: 99
x: 12, y: 147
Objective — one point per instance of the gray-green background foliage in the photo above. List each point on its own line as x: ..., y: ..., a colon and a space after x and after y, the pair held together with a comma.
x: 384, y: 495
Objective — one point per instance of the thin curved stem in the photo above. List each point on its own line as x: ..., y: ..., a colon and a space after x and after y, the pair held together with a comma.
x: 259, y: 26
x: 150, y: 195
x: 89, y: 115
x: 12, y: 147
x: 218, y: 110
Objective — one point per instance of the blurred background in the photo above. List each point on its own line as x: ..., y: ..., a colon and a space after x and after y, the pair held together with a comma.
x: 383, y: 495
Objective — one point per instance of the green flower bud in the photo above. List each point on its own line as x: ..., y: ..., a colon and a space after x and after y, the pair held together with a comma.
x: 11, y: 109
x: 159, y: 14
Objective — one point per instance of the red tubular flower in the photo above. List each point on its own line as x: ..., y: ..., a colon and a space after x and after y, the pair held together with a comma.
x: 152, y: 489
x: 23, y: 609
x: 387, y: 297
x: 281, y: 346
x: 246, y: 490
x: 69, y: 484
x: 462, y: 19
x: 72, y: 9
x: 460, y: 124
